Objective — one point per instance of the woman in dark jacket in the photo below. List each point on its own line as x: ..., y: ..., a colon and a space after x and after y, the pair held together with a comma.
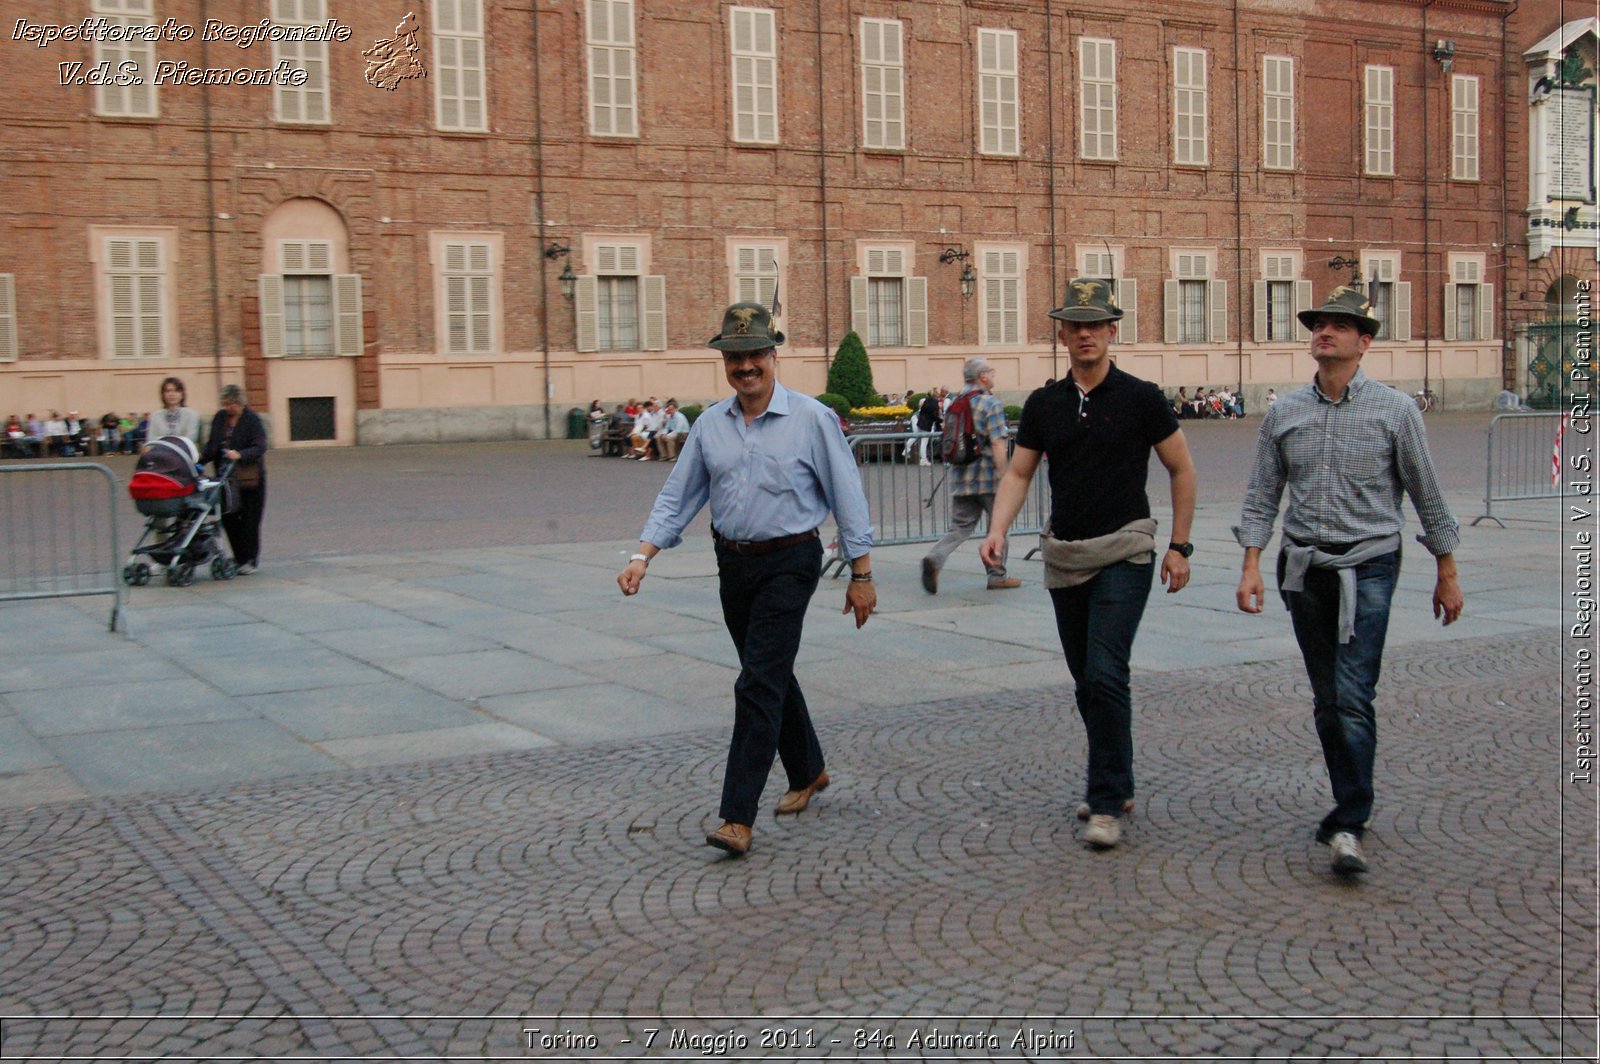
x: 238, y: 436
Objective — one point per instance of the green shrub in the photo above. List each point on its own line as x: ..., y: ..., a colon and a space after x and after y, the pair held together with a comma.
x: 915, y: 399
x: 839, y: 404
x: 691, y: 412
x: 851, y: 373
x: 1013, y: 413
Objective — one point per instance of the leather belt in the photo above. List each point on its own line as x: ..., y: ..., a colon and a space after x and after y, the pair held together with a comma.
x: 756, y: 547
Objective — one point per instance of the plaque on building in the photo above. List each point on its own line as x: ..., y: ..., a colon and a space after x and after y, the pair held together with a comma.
x: 1569, y: 142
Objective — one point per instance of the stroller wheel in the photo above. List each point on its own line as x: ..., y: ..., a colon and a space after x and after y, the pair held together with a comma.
x: 224, y: 568
x: 136, y: 574
x: 180, y: 574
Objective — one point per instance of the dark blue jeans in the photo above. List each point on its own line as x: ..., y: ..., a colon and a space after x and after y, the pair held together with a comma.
x: 764, y: 602
x: 1344, y: 680
x: 1097, y: 621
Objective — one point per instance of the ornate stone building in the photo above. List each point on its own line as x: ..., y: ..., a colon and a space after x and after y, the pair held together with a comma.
x: 461, y: 222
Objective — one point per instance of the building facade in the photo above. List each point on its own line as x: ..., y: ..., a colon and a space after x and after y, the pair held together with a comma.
x: 458, y: 219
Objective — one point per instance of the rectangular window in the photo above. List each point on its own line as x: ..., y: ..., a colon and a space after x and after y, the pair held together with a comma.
x: 1097, y: 87
x: 883, y: 99
x: 997, y: 92
x: 1380, y: 120
x: 129, y: 100
x: 468, y: 298
x: 1468, y: 302
x: 307, y: 102
x: 618, y: 308
x: 1189, y: 107
x: 1277, y: 295
x: 1464, y: 127
x: 1277, y: 112
x: 307, y: 316
x: 1103, y: 265
x: 613, y: 61
x: 458, y: 47
x: 135, y: 284
x: 755, y: 277
x: 755, y: 75
x: 1191, y: 312
x: 1389, y: 296
x: 8, y: 317
x: 1002, y: 297
x: 1195, y: 304
x: 885, y: 311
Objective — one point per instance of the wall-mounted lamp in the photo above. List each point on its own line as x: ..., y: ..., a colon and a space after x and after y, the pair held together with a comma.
x: 1445, y: 52
x: 1342, y: 263
x: 968, y: 278
x: 568, y: 279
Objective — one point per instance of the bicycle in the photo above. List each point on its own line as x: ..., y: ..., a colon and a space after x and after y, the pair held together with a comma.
x: 1426, y: 399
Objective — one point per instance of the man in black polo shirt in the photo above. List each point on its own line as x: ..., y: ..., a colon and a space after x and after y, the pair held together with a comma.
x: 1099, y: 426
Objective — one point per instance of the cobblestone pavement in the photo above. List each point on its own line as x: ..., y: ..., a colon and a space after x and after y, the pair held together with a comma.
x: 936, y: 896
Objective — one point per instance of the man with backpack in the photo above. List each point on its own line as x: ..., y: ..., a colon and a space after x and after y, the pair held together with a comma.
x: 973, y: 445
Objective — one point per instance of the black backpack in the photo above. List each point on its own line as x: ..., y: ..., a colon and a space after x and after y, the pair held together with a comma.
x: 960, y: 444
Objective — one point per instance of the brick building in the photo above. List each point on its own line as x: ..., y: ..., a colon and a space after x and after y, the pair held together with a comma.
x: 558, y: 207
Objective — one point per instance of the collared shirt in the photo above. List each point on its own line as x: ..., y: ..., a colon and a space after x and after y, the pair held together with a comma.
x: 779, y: 475
x: 989, y: 423
x: 646, y: 422
x: 676, y: 422
x: 1346, y: 464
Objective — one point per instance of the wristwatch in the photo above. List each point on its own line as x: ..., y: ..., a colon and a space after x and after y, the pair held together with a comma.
x: 1185, y: 549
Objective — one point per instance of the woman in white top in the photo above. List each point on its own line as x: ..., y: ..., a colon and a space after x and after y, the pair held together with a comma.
x: 174, y: 418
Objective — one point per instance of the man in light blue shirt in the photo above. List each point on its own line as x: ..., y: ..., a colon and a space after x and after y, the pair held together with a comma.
x: 772, y: 463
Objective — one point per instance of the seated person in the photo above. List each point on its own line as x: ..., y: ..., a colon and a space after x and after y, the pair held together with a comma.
x: 674, y: 427
x: 644, y: 429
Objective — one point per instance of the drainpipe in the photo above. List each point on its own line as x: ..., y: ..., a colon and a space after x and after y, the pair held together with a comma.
x: 1507, y: 380
x: 1427, y: 234
x: 211, y: 212
x: 1050, y: 163
x: 1238, y: 211
x: 822, y: 194
x: 538, y: 211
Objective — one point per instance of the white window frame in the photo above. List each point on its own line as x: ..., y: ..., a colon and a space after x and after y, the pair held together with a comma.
x: 468, y: 269
x: 1002, y: 282
x: 8, y: 317
x: 999, y: 108
x: 306, y: 104
x: 138, y: 291
x: 1191, y: 142
x: 620, y: 256
x: 134, y: 100
x: 299, y: 258
x: 1097, y: 98
x: 1464, y: 103
x: 1277, y: 112
x: 886, y: 261
x: 1195, y: 265
x: 1378, y: 105
x: 753, y: 52
x: 460, y: 61
x: 883, y: 84
x: 1467, y: 272
x: 1281, y: 267
x: 1383, y: 267
x: 613, y: 68
x: 1107, y: 265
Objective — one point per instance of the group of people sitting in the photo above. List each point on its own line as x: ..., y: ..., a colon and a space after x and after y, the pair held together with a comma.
x: 71, y: 436
x: 653, y: 432
x: 1218, y: 402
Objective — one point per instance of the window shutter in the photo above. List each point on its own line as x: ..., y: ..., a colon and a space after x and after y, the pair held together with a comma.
x: 292, y: 256
x: 269, y: 290
x: 1302, y: 301
x: 875, y: 263
x: 917, y: 311
x: 1127, y: 290
x: 347, y: 336
x: 1218, y: 291
x: 859, y: 322
x: 1402, y: 310
x: 1485, y: 312
x: 1169, y: 307
x: 481, y: 321
x: 8, y: 316
x: 1450, y: 311
x: 654, y: 297
x: 585, y: 299
x: 1260, y: 311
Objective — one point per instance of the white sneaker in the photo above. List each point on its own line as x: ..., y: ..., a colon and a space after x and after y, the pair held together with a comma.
x: 1083, y: 809
x: 246, y: 569
x: 924, y: 462
x: 1104, y: 831
x: 1347, y: 858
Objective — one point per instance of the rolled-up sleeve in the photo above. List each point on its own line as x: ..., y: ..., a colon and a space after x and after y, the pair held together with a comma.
x: 1441, y: 532
x: 1265, y: 490
x: 841, y: 484
x: 681, y: 497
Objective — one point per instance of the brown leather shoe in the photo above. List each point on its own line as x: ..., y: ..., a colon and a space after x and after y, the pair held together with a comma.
x: 1004, y: 583
x: 795, y: 801
x: 735, y: 838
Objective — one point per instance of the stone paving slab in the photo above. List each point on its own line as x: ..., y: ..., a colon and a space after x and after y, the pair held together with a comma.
x: 938, y: 890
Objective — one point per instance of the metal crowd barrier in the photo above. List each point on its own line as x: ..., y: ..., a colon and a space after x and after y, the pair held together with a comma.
x: 1523, y: 459
x: 910, y: 502
x: 58, y: 534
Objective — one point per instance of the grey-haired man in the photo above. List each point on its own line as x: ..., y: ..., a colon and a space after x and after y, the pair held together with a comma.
x: 972, y: 486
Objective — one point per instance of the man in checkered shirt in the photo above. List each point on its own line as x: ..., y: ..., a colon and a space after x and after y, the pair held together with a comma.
x: 1347, y: 447
x: 972, y: 486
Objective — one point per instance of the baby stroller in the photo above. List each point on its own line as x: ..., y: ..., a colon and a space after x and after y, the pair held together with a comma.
x: 183, y: 515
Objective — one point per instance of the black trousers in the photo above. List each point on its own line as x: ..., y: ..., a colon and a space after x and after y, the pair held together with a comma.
x: 244, y: 524
x: 764, y: 602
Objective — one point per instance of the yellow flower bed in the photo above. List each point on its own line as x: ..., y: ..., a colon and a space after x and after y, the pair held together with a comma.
x: 886, y: 412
